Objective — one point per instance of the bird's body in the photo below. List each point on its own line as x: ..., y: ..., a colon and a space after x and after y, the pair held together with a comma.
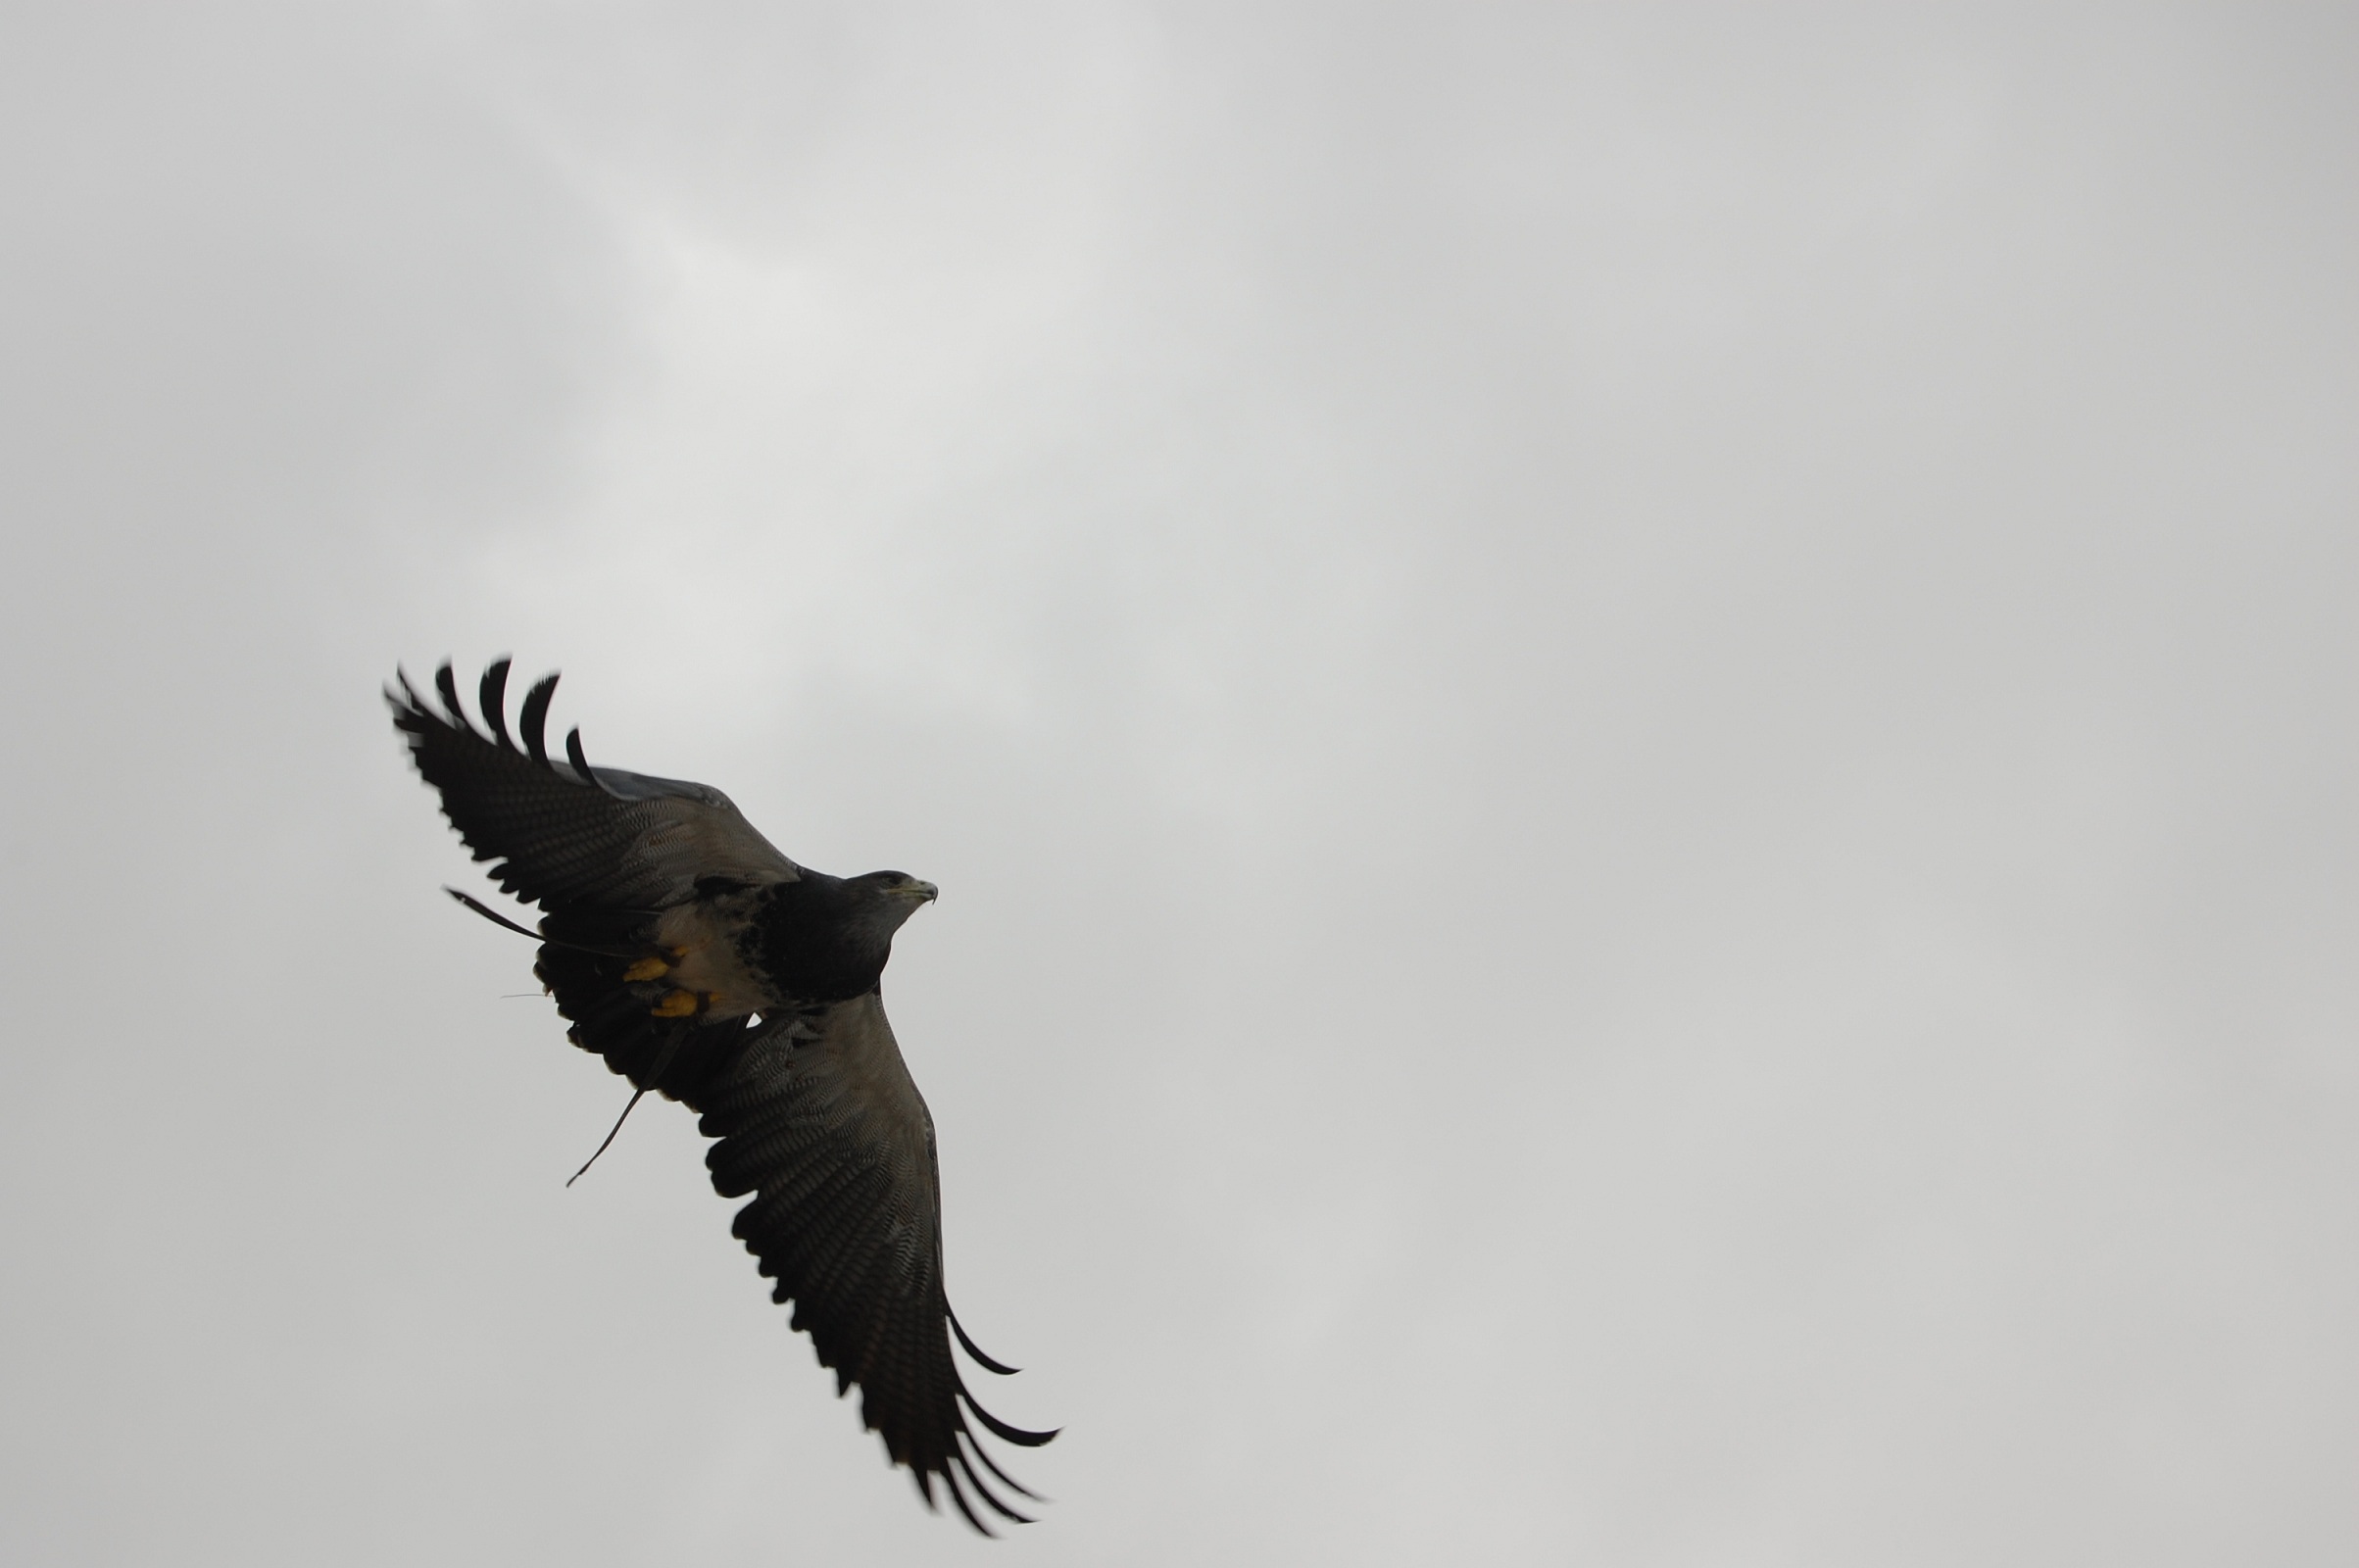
x: 706, y: 966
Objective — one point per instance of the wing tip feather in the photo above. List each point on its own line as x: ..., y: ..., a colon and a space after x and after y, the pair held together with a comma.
x: 534, y: 720
x: 491, y: 695
x: 960, y: 1456
x: 986, y: 1362
x: 446, y: 687
x: 1019, y: 1435
x: 950, y: 1484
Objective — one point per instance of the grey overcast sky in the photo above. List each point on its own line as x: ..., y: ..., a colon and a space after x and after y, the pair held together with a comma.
x: 1638, y: 722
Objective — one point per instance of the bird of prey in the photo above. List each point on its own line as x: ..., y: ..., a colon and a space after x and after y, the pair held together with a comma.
x: 710, y: 968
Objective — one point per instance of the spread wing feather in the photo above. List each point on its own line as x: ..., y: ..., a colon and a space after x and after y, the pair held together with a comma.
x: 597, y: 835
x: 830, y: 1137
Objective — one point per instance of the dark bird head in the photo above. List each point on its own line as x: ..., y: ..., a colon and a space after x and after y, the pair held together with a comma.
x: 882, y: 900
x: 826, y: 940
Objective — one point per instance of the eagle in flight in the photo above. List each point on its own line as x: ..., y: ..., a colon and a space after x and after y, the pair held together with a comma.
x: 710, y: 968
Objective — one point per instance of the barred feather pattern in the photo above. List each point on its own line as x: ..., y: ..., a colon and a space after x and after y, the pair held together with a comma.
x: 822, y: 1124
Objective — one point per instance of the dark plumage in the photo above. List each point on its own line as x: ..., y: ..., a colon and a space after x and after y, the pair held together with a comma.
x: 710, y: 968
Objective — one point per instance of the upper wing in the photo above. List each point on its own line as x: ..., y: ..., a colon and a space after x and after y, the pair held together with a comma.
x: 821, y: 1122
x: 592, y: 834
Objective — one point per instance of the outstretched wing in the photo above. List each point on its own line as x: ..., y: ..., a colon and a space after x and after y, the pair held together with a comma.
x: 821, y: 1124
x: 577, y: 834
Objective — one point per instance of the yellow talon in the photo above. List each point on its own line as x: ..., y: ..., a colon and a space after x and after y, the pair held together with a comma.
x: 676, y: 1005
x: 647, y: 969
